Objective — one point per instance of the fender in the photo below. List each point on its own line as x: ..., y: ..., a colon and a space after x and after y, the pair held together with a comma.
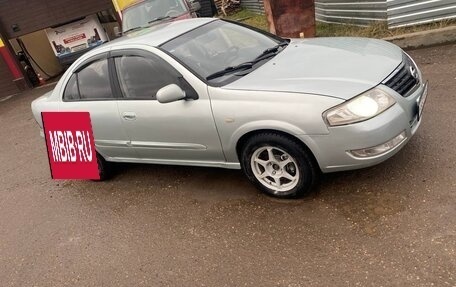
x: 230, y: 146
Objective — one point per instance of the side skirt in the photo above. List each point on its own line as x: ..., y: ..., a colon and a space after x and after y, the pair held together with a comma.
x: 228, y: 165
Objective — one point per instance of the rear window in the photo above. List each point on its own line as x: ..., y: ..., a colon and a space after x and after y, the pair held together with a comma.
x: 90, y: 83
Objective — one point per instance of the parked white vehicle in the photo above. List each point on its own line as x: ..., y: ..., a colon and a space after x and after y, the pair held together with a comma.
x: 207, y: 92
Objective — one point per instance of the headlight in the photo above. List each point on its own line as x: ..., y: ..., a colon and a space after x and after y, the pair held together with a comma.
x: 360, y: 108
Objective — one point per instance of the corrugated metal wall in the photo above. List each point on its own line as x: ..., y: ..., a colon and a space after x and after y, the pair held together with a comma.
x: 253, y: 5
x: 206, y: 8
x: 411, y: 12
x: 358, y: 12
x: 363, y: 12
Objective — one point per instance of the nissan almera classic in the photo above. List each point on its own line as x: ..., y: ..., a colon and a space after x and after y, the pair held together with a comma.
x: 207, y: 92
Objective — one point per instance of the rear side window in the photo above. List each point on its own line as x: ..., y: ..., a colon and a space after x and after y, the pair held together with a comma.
x: 71, y: 90
x: 90, y: 83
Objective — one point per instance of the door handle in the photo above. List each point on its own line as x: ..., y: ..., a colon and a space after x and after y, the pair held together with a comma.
x: 129, y: 116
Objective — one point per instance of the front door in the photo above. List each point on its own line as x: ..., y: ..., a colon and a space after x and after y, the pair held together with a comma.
x: 180, y: 132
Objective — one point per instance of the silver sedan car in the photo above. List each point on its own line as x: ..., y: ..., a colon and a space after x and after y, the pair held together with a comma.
x: 208, y: 92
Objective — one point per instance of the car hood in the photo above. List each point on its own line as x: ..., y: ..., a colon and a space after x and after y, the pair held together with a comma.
x: 336, y: 67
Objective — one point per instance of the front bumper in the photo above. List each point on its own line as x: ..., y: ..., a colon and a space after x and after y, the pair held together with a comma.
x: 332, y: 151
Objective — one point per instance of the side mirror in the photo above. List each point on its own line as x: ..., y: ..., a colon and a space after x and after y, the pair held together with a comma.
x: 194, y: 6
x: 170, y: 93
x: 117, y: 32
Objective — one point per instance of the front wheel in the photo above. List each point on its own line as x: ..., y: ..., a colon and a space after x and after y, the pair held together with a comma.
x: 279, y: 165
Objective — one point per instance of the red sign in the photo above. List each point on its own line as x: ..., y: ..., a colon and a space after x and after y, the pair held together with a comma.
x: 74, y: 38
x: 70, y: 145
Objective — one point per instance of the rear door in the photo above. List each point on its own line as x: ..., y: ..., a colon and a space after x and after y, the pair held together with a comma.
x: 180, y: 132
x: 89, y: 89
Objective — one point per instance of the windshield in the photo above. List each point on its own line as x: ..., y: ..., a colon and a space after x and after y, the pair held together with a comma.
x: 220, y: 46
x: 142, y: 13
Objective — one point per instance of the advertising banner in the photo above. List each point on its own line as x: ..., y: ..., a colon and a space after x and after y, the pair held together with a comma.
x: 76, y: 36
x: 70, y: 145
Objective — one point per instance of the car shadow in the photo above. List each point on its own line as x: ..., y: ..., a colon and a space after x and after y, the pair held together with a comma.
x: 204, y: 183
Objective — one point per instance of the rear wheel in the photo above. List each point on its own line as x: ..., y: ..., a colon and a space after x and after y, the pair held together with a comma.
x: 104, y: 168
x: 279, y: 165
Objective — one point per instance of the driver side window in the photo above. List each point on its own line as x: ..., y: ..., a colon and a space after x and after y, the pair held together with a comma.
x: 141, y: 77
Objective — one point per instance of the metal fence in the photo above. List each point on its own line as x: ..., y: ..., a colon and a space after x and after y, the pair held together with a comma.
x: 208, y: 8
x: 411, y: 12
x: 253, y: 5
x: 361, y: 12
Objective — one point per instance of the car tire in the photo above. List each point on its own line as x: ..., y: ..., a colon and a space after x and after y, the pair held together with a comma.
x: 104, y: 168
x: 279, y: 165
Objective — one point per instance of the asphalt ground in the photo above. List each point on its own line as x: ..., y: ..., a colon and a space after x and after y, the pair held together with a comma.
x: 390, y: 225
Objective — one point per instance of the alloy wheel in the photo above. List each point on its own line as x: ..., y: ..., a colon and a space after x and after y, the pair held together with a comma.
x: 275, y: 169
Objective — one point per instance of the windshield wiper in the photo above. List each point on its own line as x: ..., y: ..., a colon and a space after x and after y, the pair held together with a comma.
x: 246, y: 65
x: 240, y: 67
x: 150, y: 22
x: 273, y: 50
x: 160, y: 19
x: 269, y: 52
x: 134, y: 29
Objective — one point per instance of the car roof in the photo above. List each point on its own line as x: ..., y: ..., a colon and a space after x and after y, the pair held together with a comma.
x: 159, y: 34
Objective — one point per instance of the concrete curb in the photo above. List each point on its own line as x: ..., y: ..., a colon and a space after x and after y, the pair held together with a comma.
x: 425, y: 38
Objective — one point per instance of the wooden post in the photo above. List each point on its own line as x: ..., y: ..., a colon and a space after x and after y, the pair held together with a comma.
x: 291, y: 18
